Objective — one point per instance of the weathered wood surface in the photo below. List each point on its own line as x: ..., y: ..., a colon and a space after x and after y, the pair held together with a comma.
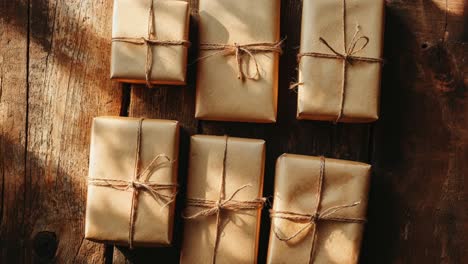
x: 418, y: 207
x: 13, y: 116
x: 54, y: 67
x: 54, y: 78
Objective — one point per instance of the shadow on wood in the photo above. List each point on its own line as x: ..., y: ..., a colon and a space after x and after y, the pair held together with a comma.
x: 414, y: 206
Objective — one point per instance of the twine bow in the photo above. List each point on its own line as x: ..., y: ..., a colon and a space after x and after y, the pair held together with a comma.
x: 311, y: 219
x: 239, y: 50
x: 149, y: 42
x: 347, y: 56
x: 216, y: 207
x: 141, y: 182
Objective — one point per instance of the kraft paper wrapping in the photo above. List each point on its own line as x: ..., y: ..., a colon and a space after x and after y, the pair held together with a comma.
x: 112, y: 156
x: 220, y: 94
x: 296, y: 181
x: 320, y: 79
x: 171, y: 23
x: 239, y: 232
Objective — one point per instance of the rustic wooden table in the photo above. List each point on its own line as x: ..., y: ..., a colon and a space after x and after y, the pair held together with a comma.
x: 54, y: 68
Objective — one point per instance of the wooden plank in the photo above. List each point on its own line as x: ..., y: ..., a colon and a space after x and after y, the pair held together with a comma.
x: 418, y: 202
x: 69, y: 85
x: 13, y: 115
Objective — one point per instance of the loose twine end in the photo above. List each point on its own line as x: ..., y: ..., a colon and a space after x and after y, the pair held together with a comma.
x: 295, y: 85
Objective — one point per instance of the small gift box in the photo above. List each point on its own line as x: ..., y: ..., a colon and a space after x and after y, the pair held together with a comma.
x: 237, y: 78
x: 340, y: 60
x: 132, y: 181
x: 224, y: 190
x: 150, y: 41
x: 319, y: 210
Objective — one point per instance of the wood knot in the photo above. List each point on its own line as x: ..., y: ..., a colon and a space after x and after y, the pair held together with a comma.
x: 443, y: 67
x: 45, y: 245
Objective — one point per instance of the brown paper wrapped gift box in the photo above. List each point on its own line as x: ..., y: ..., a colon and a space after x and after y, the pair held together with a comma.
x: 339, y: 79
x: 150, y: 43
x: 319, y: 210
x: 132, y: 175
x: 254, y: 27
x: 224, y: 172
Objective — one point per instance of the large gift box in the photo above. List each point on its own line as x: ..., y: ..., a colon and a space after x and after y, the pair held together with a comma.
x: 132, y: 181
x: 319, y: 210
x: 150, y: 41
x: 237, y: 78
x: 340, y: 60
x: 224, y: 200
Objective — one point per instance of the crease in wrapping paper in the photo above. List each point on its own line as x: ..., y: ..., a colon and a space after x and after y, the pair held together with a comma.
x: 159, y: 45
x: 240, y: 43
x: 231, y: 200
x: 318, y: 221
x: 342, y: 105
x: 139, y: 188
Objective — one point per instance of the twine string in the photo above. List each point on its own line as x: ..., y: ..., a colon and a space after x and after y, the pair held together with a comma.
x: 217, y: 207
x: 310, y: 220
x: 149, y: 42
x: 239, y: 50
x: 153, y: 188
x: 347, y: 56
x: 141, y: 182
x: 149, y: 50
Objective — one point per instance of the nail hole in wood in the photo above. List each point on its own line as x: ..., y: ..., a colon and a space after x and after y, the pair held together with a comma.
x: 45, y: 245
x: 424, y: 45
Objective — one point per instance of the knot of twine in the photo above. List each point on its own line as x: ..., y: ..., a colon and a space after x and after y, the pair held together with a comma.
x: 216, y: 207
x: 141, y: 182
x: 153, y: 188
x: 239, y: 50
x: 149, y: 42
x: 310, y: 220
x: 348, y: 56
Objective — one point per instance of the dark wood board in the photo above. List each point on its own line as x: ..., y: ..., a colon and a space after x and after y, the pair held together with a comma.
x: 54, y: 68
x: 418, y: 200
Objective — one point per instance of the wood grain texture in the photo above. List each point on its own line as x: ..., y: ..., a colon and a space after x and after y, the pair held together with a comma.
x: 54, y: 68
x: 13, y: 116
x: 68, y: 85
x: 419, y: 194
